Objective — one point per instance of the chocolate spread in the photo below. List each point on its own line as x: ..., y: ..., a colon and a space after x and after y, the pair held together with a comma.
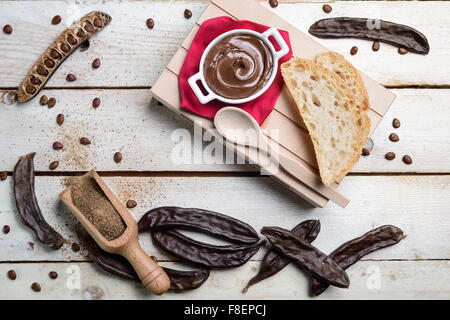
x: 238, y: 66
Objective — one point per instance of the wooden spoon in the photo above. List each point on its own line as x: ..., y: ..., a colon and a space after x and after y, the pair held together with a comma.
x: 238, y: 126
x: 151, y: 274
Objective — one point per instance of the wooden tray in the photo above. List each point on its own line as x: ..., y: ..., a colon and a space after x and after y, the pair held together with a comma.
x: 293, y: 139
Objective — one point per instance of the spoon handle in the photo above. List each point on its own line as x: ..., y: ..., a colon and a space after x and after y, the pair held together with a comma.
x: 302, y: 173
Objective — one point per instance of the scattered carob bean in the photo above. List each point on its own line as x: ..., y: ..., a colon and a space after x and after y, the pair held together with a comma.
x: 307, y: 256
x: 210, y: 222
x: 402, y: 51
x: 44, y: 100
x: 27, y: 204
x: 51, y: 102
x: 187, y: 14
x: 118, y: 265
x: 6, y: 229
x: 389, y: 156
x: 7, y: 29
x: 36, y: 287
x: 56, y: 19
x: 352, y: 251
x: 376, y: 46
x: 71, y: 77
x: 84, y: 46
x: 12, y: 275
x: 53, y: 274
x: 354, y: 50
x: 96, y: 102
x: 53, y: 165
x: 117, y: 157
x: 96, y: 63
x: 57, y: 145
x: 131, y: 204
x: 60, y: 119
x: 3, y: 175
x: 396, y: 123
x: 407, y: 160
x: 200, y: 253
x: 371, y: 29
x: 75, y: 247
x: 150, y: 23
x: 394, y: 137
x: 365, y: 152
x: 85, y: 141
x: 274, y: 262
x: 327, y: 8
x: 273, y: 3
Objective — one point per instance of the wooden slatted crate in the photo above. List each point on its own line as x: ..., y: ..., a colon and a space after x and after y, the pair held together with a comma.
x: 292, y: 139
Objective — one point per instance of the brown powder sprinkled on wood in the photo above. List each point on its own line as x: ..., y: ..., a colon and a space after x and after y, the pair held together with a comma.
x: 90, y: 199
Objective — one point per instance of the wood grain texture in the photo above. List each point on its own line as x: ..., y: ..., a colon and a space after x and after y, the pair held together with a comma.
x: 133, y: 55
x: 369, y: 280
x: 127, y: 121
x: 418, y: 205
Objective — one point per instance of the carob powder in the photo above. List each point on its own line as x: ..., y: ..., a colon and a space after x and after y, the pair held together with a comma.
x: 90, y: 199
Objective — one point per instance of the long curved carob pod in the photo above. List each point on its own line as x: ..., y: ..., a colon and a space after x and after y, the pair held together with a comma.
x: 59, y: 50
x: 372, y: 29
x: 204, y: 254
x: 353, y: 250
x: 27, y: 204
x: 210, y: 222
x: 118, y: 265
x: 274, y: 262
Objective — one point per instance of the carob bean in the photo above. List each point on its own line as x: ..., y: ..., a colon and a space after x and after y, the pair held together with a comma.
x: 60, y: 119
x: 34, y: 80
x: 402, y: 51
x: 307, y: 256
x: 96, y: 63
x: 274, y: 262
x: 51, y: 102
x: 118, y: 265
x: 75, y: 247
x: 85, y: 44
x: 71, y: 77
x: 396, y: 123
x: 327, y: 8
x: 377, y: 30
x: 353, y: 250
x: 150, y: 23
x: 210, y: 222
x: 131, y: 204
x: 27, y: 204
x: 56, y: 19
x: 12, y: 275
x: 53, y: 165
x: 407, y: 160
x: 6, y: 229
x: 273, y: 3
x: 354, y: 50
x: 85, y: 141
x: 53, y: 274
x: 376, y: 46
x: 57, y: 145
x: 394, y: 137
x: 7, y: 29
x: 365, y: 152
x: 204, y: 254
x: 117, y: 157
x: 3, y: 175
x: 43, y: 100
x: 96, y: 102
x: 187, y: 14
x: 36, y: 287
x: 60, y: 49
x: 390, y: 156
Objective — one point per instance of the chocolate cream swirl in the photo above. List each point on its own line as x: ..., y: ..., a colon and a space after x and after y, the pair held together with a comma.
x: 238, y: 66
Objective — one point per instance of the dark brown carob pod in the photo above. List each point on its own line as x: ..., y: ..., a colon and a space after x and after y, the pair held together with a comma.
x: 203, y: 254
x: 395, y: 34
x: 27, y: 204
x: 210, y: 222
x: 353, y: 250
x: 307, y: 256
x: 274, y: 262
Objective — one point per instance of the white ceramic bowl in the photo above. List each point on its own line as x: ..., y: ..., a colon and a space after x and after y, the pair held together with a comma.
x: 277, y: 55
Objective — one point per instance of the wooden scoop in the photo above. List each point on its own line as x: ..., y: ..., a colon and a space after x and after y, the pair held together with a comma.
x: 151, y: 274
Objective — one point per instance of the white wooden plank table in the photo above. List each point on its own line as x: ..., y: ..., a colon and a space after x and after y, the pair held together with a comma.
x: 415, y: 197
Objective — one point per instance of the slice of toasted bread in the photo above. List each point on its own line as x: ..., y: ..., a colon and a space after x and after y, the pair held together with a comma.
x: 330, y: 113
x: 344, y: 69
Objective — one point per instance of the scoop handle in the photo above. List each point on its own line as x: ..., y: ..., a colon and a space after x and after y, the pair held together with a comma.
x: 151, y: 274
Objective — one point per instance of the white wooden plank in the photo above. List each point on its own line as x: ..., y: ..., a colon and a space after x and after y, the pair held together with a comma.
x: 369, y: 280
x: 133, y: 55
x: 128, y: 122
x: 417, y: 204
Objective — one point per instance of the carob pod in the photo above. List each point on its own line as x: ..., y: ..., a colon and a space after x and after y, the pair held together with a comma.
x: 27, y: 204
x: 207, y: 221
x: 59, y: 50
x: 204, y: 254
x: 307, y: 256
x: 274, y: 262
x: 372, y: 29
x: 353, y: 250
x: 118, y: 265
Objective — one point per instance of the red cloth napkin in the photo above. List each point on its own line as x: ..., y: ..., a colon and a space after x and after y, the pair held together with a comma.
x: 259, y: 108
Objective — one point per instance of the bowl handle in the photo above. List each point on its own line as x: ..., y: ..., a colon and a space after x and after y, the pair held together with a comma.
x: 198, y: 92
x: 279, y: 39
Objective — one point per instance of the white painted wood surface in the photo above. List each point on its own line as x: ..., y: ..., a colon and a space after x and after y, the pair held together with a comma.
x: 132, y: 56
x: 142, y: 130
x: 150, y: 50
